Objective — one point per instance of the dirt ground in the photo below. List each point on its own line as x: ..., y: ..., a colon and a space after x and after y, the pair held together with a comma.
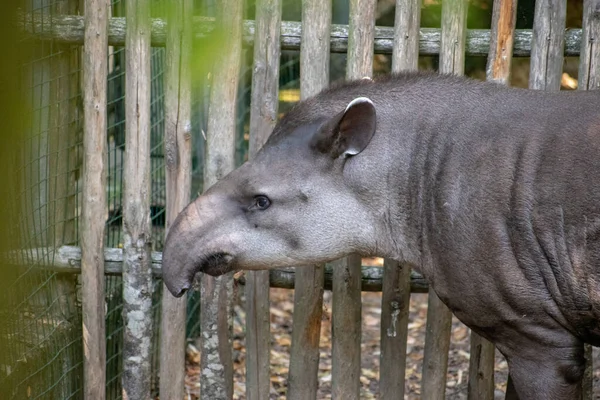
x: 282, y: 304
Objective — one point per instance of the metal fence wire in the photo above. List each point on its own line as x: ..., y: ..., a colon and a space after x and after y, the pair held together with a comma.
x: 43, y: 323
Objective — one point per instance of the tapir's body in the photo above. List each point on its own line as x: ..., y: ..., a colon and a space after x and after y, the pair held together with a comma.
x: 490, y: 192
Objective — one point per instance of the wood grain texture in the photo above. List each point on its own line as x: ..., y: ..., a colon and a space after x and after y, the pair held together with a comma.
x: 94, y: 211
x: 395, y: 301
x: 395, y: 297
x: 439, y: 317
x: 501, y: 41
x: 589, y: 61
x: 547, y: 44
x: 263, y: 116
x: 405, y: 52
x: 69, y: 29
x: 67, y: 260
x: 347, y: 304
x: 216, y: 379
x: 178, y: 171
x: 137, y: 231
x: 308, y: 290
x: 482, y: 360
x: 589, y: 79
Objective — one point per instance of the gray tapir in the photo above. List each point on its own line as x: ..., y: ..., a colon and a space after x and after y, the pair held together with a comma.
x: 492, y: 193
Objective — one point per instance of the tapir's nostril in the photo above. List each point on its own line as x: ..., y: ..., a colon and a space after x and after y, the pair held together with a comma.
x: 182, y: 291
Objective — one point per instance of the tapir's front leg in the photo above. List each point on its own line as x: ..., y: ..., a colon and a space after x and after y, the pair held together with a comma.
x: 554, y: 374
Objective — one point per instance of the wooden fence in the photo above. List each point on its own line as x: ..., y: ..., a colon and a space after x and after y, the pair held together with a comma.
x: 547, y: 44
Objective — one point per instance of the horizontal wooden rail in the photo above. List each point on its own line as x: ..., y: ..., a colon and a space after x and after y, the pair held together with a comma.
x: 70, y: 28
x: 67, y: 259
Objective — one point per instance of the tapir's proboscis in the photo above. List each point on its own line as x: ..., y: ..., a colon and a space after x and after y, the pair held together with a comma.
x: 490, y: 192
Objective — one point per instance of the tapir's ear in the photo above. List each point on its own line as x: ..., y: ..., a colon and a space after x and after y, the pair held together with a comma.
x: 349, y: 132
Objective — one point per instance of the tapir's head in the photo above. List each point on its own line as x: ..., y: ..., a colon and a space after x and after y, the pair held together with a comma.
x: 293, y: 204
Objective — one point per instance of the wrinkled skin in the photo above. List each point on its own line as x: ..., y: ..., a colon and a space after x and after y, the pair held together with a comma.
x: 490, y: 192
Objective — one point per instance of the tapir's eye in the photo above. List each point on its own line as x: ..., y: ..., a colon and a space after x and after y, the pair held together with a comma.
x: 261, y: 202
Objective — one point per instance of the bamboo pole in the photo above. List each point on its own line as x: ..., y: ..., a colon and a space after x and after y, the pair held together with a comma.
x: 217, y: 365
x: 178, y: 166
x: 263, y: 116
x: 395, y: 299
x: 137, y: 231
x: 589, y: 79
x: 308, y: 290
x: 94, y: 212
x: 439, y: 317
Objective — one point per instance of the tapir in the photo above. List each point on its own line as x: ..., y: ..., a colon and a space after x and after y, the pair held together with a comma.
x: 491, y: 192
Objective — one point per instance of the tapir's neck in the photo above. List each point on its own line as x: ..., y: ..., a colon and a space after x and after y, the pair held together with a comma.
x: 406, y: 158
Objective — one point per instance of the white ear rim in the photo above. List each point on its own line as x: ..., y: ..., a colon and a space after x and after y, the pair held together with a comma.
x: 358, y: 100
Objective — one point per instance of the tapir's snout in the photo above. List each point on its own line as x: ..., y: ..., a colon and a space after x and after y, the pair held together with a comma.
x: 193, y: 246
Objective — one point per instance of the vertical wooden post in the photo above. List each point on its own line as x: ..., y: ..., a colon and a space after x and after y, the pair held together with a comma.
x: 347, y: 304
x: 263, y: 116
x: 137, y: 231
x: 217, y: 365
x: 308, y: 288
x: 395, y: 298
x: 547, y: 44
x: 439, y: 318
x: 589, y: 79
x: 94, y: 212
x: 481, y: 362
x: 178, y: 169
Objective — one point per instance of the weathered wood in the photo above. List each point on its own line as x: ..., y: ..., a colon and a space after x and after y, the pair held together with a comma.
x: 308, y: 293
x: 395, y: 301
x: 405, y: 53
x: 589, y: 79
x: 439, y: 317
x: 547, y: 44
x: 346, y: 328
x: 589, y: 61
x: 395, y: 298
x: 481, y: 369
x: 94, y: 210
x: 216, y: 380
x: 263, y: 116
x: 137, y: 231
x: 481, y: 362
x: 347, y: 303
x: 69, y: 29
x: 178, y: 172
x: 67, y: 260
x: 501, y: 41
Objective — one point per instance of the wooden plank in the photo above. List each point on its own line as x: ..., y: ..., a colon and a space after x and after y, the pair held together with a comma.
x: 547, y: 44
x: 178, y: 172
x: 589, y: 61
x: 589, y: 79
x: 308, y: 291
x: 67, y: 260
x: 481, y: 362
x: 137, y: 231
x: 216, y: 380
x: 395, y: 299
x: 263, y: 116
x: 502, y: 40
x: 69, y: 29
x: 94, y: 211
x: 405, y: 54
x: 439, y: 317
x: 347, y: 305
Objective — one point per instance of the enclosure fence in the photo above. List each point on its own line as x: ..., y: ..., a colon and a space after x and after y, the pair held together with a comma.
x: 88, y: 318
